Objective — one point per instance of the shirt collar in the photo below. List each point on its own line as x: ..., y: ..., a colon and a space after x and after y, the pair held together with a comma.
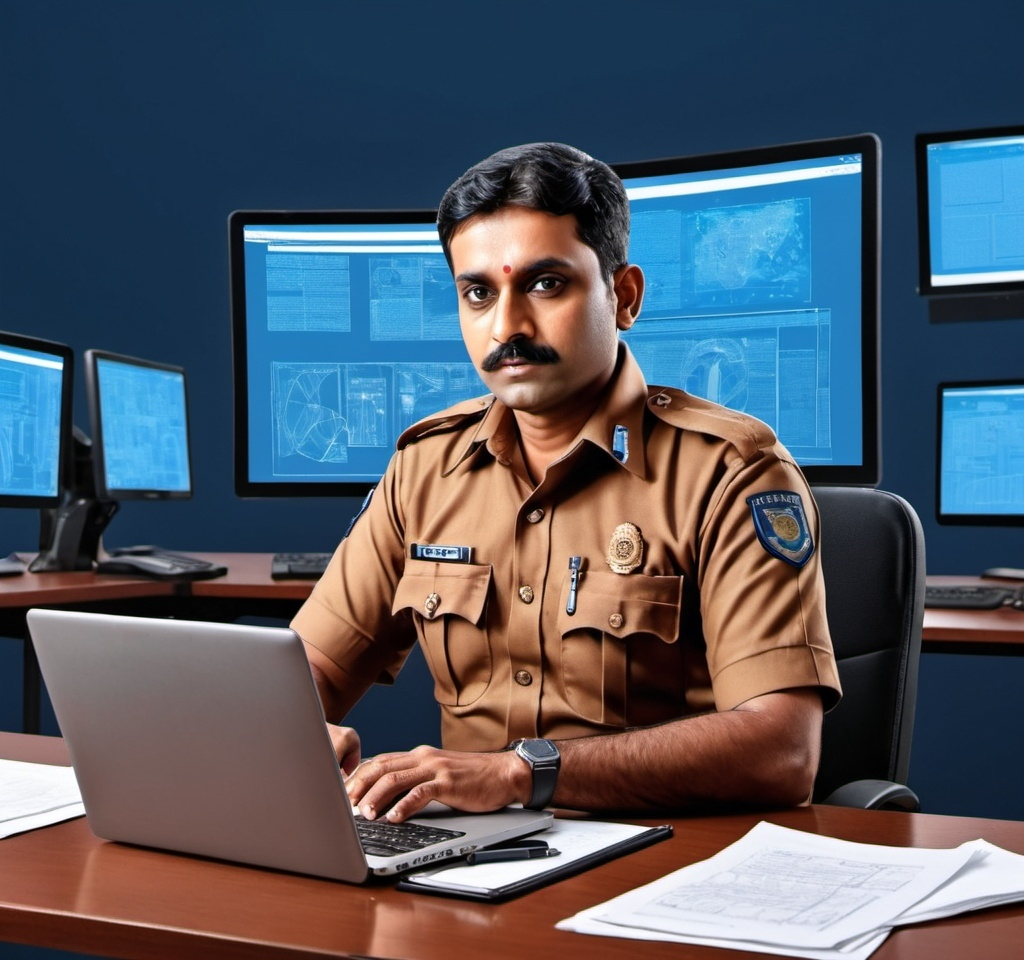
x: 622, y: 406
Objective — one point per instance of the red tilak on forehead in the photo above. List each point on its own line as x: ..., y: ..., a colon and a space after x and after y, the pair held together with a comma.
x: 507, y: 268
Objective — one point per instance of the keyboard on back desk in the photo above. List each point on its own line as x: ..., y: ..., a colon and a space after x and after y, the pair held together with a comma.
x: 298, y: 566
x: 968, y: 596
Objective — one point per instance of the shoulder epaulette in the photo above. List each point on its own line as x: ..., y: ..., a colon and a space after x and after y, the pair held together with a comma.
x: 683, y: 410
x: 445, y: 421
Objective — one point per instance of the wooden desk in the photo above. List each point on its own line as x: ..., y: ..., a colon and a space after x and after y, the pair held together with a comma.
x: 998, y: 632
x: 60, y: 887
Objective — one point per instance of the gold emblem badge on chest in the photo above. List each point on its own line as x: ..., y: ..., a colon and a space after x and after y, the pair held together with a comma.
x: 625, y: 549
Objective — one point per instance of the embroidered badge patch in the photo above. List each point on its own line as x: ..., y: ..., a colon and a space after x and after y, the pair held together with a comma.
x: 781, y: 525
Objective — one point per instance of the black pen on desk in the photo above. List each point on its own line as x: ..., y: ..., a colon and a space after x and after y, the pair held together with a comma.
x: 510, y: 853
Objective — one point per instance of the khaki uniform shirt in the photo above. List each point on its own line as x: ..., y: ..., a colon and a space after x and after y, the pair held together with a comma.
x: 706, y: 618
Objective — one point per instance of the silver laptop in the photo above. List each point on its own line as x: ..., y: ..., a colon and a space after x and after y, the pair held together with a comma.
x: 209, y: 739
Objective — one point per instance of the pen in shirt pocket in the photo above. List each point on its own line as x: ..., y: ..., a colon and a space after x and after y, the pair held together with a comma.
x: 574, y: 584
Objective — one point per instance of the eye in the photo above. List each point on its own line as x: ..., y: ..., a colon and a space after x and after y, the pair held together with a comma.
x: 547, y: 285
x: 476, y: 294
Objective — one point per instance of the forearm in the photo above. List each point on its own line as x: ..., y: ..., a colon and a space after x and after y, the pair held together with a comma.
x: 764, y: 752
x: 338, y: 693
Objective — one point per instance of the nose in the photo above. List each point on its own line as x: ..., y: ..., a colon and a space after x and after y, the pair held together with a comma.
x: 512, y: 318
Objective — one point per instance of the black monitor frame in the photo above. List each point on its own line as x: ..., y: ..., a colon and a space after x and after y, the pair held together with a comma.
x: 93, y: 391
x: 66, y: 355
x: 238, y: 220
x: 968, y: 519
x: 868, y: 471
x: 925, y: 285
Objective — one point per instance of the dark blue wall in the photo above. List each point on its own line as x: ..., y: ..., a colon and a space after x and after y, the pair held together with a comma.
x: 129, y: 131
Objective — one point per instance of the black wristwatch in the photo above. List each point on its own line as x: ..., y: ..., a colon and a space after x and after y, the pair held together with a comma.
x: 544, y: 760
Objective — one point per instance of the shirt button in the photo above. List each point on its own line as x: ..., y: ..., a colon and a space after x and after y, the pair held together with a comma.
x: 526, y: 593
x: 615, y: 621
x: 535, y: 516
x: 523, y: 678
x: 431, y: 604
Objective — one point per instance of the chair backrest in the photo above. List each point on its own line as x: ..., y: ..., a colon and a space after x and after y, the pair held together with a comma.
x: 873, y: 561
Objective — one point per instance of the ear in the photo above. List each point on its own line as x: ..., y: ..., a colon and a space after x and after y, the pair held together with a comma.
x: 628, y: 289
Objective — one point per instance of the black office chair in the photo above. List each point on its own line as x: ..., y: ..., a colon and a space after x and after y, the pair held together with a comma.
x: 873, y: 560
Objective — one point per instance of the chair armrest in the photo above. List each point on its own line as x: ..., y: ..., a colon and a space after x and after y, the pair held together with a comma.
x: 875, y: 795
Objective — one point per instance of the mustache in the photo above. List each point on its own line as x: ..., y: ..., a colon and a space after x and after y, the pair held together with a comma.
x: 521, y: 350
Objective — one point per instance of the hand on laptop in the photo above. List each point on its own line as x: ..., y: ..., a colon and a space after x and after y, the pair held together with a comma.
x: 474, y: 782
x: 346, y: 746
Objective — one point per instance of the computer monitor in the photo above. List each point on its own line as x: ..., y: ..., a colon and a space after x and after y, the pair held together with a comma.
x: 762, y: 271
x: 138, y: 412
x: 980, y: 469
x: 970, y: 202
x: 762, y: 293
x: 345, y: 331
x: 35, y: 419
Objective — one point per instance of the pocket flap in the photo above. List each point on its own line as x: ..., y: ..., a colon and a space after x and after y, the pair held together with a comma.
x: 433, y: 589
x: 622, y: 606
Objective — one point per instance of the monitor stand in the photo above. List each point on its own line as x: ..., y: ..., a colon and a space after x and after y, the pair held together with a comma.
x: 69, y: 535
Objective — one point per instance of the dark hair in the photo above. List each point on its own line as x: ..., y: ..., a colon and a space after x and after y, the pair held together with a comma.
x: 552, y: 177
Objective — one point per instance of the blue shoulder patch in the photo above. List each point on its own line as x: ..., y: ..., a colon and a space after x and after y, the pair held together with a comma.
x: 362, y: 510
x: 781, y: 525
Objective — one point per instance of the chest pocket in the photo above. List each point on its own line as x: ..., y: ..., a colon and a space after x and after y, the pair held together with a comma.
x: 447, y: 601
x: 620, y: 659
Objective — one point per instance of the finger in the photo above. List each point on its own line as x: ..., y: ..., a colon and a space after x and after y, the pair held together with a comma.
x: 362, y: 778
x: 413, y: 801
x: 390, y: 787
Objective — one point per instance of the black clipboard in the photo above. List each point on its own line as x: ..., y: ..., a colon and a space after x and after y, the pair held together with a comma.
x: 548, y: 871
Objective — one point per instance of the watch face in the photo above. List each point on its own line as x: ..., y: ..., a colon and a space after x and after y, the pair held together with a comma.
x: 541, y: 750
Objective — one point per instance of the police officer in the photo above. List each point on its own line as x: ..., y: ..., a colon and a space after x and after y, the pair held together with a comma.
x: 616, y: 586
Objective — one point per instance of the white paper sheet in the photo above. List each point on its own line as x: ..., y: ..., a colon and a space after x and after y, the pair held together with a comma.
x: 574, y: 839
x: 798, y: 894
x: 35, y: 795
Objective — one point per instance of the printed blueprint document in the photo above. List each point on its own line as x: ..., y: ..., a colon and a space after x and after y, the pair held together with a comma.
x: 787, y: 892
x: 36, y: 795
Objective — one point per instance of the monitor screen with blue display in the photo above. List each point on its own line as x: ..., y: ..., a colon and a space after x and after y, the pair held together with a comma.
x: 970, y: 201
x: 762, y: 293
x: 981, y: 452
x: 139, y: 417
x: 345, y: 332
x: 35, y: 419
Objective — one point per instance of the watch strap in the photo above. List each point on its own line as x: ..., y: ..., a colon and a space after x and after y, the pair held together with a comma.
x: 544, y: 770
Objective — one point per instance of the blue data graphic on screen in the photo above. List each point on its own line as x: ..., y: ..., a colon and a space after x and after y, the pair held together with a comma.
x: 754, y: 295
x: 975, y: 208
x: 31, y: 385
x: 981, y: 451
x: 351, y: 335
x: 143, y: 428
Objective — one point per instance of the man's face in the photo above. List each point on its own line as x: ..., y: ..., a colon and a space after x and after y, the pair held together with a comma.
x: 539, y: 321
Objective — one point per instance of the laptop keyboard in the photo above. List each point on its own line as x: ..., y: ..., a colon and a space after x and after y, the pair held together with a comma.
x: 383, y: 839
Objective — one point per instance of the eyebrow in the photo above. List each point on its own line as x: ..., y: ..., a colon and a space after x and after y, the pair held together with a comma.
x: 538, y: 266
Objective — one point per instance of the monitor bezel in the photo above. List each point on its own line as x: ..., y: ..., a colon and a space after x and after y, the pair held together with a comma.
x: 20, y: 341
x: 868, y: 145
x: 925, y: 287
x: 238, y: 220
x: 968, y: 519
x: 92, y: 390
